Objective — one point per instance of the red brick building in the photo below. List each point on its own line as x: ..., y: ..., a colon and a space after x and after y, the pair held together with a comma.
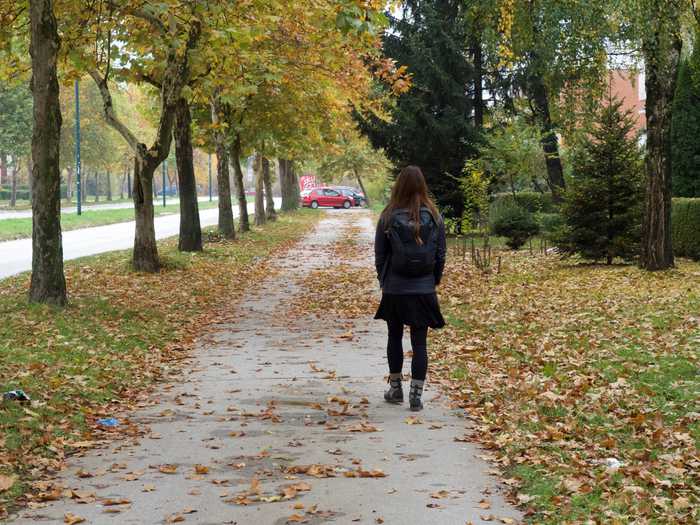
x: 628, y: 86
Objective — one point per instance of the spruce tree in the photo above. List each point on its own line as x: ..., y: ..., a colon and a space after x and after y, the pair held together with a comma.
x: 431, y: 125
x: 602, y: 207
x: 685, y: 129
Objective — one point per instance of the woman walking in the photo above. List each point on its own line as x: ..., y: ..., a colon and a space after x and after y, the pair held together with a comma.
x: 409, y: 254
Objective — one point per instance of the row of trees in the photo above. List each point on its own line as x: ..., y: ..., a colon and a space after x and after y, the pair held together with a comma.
x: 276, y: 78
x: 537, y: 69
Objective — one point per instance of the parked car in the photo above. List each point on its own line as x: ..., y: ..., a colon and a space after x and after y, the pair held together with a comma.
x: 169, y: 192
x: 326, y: 197
x: 357, y: 197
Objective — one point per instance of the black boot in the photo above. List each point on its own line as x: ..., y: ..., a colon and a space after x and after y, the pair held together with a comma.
x: 414, y: 395
x: 395, y: 392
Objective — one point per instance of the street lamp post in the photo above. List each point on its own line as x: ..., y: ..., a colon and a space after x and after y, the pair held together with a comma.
x: 210, y: 193
x: 78, y: 182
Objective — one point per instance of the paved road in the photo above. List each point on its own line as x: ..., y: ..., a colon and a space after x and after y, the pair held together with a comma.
x: 252, y: 435
x: 27, y: 214
x: 16, y: 256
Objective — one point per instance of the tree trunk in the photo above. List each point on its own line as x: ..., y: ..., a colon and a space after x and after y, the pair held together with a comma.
x: 128, y: 183
x: 270, y: 214
x: 478, y: 58
x: 3, y: 168
x: 662, y: 51
x: 259, y: 196
x: 13, y: 192
x: 97, y: 186
x: 362, y: 186
x: 145, y: 257
x: 243, y: 222
x: 48, y: 283
x: 190, y: 230
x: 549, y: 140
x: 226, y: 226
x: 109, y: 185
x: 121, y: 185
x: 288, y: 186
x: 295, y: 181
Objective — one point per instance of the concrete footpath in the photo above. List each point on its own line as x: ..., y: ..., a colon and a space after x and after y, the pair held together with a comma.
x: 280, y: 419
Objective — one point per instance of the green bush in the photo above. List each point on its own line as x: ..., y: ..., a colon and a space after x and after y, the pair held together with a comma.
x: 514, y: 222
x: 685, y: 227
x: 532, y: 201
x: 6, y: 195
x: 550, y: 224
x: 24, y: 192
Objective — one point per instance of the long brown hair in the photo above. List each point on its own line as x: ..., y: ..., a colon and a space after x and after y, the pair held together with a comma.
x: 410, y: 192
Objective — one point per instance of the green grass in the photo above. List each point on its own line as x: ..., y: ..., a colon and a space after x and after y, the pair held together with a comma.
x: 22, y: 228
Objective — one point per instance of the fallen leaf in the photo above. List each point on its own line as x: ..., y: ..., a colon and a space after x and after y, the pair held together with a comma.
x: 72, y: 519
x: 6, y: 482
x: 363, y: 427
x: 110, y: 502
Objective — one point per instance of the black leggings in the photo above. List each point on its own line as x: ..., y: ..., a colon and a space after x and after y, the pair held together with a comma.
x: 419, y: 345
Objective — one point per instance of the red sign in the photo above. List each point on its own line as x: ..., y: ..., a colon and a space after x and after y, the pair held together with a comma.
x: 308, y: 182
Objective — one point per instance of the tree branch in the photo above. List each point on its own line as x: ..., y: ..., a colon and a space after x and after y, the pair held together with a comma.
x: 108, y: 108
x: 175, y: 77
x: 141, y: 13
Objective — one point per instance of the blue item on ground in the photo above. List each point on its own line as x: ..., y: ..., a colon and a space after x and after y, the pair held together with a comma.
x: 108, y: 422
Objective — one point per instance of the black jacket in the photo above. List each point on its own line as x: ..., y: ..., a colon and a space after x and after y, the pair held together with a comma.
x: 392, y: 283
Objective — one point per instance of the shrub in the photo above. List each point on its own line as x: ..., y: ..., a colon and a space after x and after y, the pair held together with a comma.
x: 532, y: 201
x: 514, y: 222
x: 6, y: 195
x: 24, y: 192
x: 551, y: 224
x: 685, y: 227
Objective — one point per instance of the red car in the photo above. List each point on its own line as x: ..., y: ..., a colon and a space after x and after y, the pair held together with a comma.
x: 325, y: 197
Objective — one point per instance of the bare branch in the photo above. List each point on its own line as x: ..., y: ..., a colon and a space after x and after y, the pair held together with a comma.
x: 109, y: 114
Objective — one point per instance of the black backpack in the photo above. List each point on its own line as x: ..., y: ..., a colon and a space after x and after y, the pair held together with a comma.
x: 408, y: 258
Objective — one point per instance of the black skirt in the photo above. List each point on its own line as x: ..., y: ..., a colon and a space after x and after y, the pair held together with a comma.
x: 413, y: 310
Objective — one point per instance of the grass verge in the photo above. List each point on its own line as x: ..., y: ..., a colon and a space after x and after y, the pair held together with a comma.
x: 120, y: 333
x: 22, y: 228
x: 583, y: 382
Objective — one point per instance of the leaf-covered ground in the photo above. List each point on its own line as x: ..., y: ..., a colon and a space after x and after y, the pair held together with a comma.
x: 121, y: 332
x: 583, y: 382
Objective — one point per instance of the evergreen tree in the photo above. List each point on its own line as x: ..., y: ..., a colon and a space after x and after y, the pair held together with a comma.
x: 685, y: 129
x: 602, y: 207
x: 431, y: 124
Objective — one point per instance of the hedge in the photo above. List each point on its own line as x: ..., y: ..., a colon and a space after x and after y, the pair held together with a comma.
x: 23, y: 193
x: 532, y: 201
x: 685, y: 227
x: 6, y: 195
